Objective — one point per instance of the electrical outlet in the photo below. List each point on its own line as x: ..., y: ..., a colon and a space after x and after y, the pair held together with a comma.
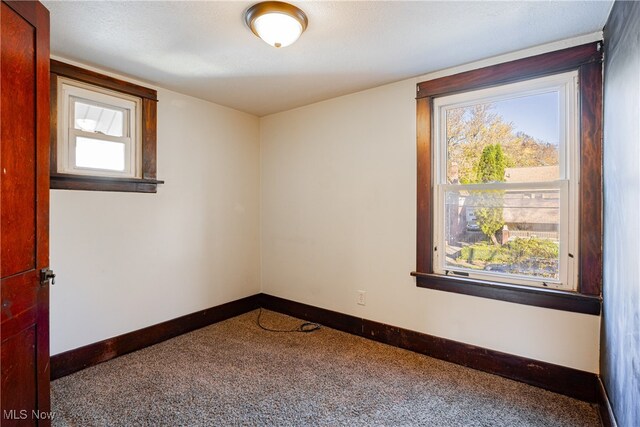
x: 362, y: 298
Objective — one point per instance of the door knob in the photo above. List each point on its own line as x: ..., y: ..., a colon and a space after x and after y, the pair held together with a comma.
x: 47, y: 274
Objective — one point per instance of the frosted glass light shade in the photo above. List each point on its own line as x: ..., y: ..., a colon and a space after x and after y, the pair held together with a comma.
x: 277, y: 29
x: 278, y: 24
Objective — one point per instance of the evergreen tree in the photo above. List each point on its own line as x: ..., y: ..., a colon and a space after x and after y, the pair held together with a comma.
x: 490, y: 168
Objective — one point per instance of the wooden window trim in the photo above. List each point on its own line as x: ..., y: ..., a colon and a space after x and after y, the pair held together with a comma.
x: 587, y: 59
x: 148, y: 182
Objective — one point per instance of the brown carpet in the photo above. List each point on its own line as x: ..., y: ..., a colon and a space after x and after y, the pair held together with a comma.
x: 234, y: 373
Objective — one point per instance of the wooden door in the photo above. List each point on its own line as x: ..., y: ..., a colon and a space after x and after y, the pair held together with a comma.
x: 24, y: 212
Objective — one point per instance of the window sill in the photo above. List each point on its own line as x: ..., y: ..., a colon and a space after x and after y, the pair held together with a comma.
x: 94, y: 183
x: 538, y: 297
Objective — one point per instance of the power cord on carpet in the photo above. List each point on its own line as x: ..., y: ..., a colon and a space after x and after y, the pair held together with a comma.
x: 303, y: 327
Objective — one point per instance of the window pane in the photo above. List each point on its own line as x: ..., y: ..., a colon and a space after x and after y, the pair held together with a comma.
x: 504, y: 232
x: 512, y: 140
x: 94, y: 118
x: 98, y: 154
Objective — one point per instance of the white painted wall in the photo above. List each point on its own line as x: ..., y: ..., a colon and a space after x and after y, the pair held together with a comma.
x: 336, y: 186
x: 338, y: 214
x: 125, y: 261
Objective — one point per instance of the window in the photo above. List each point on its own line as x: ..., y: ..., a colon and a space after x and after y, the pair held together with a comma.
x: 509, y: 181
x: 103, y: 132
x: 100, y: 135
x: 505, y: 177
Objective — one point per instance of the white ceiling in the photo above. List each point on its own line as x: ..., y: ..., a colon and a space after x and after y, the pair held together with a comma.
x: 205, y: 50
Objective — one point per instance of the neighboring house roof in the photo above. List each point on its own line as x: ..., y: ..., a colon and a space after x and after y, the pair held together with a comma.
x: 532, y: 174
x: 520, y: 209
x: 523, y: 210
x: 541, y: 207
x: 523, y: 206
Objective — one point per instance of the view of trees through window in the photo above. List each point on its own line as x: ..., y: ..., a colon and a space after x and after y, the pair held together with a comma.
x: 501, y: 228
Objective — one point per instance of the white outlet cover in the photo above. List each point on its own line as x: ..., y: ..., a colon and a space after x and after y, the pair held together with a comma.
x: 362, y: 297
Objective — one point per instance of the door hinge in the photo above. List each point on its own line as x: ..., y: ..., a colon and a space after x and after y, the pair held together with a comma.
x: 47, y: 274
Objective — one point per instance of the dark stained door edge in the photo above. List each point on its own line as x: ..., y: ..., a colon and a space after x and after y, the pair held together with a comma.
x: 80, y: 358
x: 559, y: 379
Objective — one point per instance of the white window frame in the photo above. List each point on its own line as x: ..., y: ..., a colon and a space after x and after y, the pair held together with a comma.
x: 566, y: 84
x: 70, y: 91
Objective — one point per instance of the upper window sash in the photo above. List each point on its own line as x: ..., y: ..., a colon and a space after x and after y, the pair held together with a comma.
x: 124, y: 110
x: 564, y: 84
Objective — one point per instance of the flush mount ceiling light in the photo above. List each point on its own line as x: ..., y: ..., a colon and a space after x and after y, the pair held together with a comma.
x: 277, y: 23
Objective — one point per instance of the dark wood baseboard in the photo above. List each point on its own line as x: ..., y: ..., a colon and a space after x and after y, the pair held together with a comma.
x: 607, y: 417
x: 560, y: 379
x: 80, y: 358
